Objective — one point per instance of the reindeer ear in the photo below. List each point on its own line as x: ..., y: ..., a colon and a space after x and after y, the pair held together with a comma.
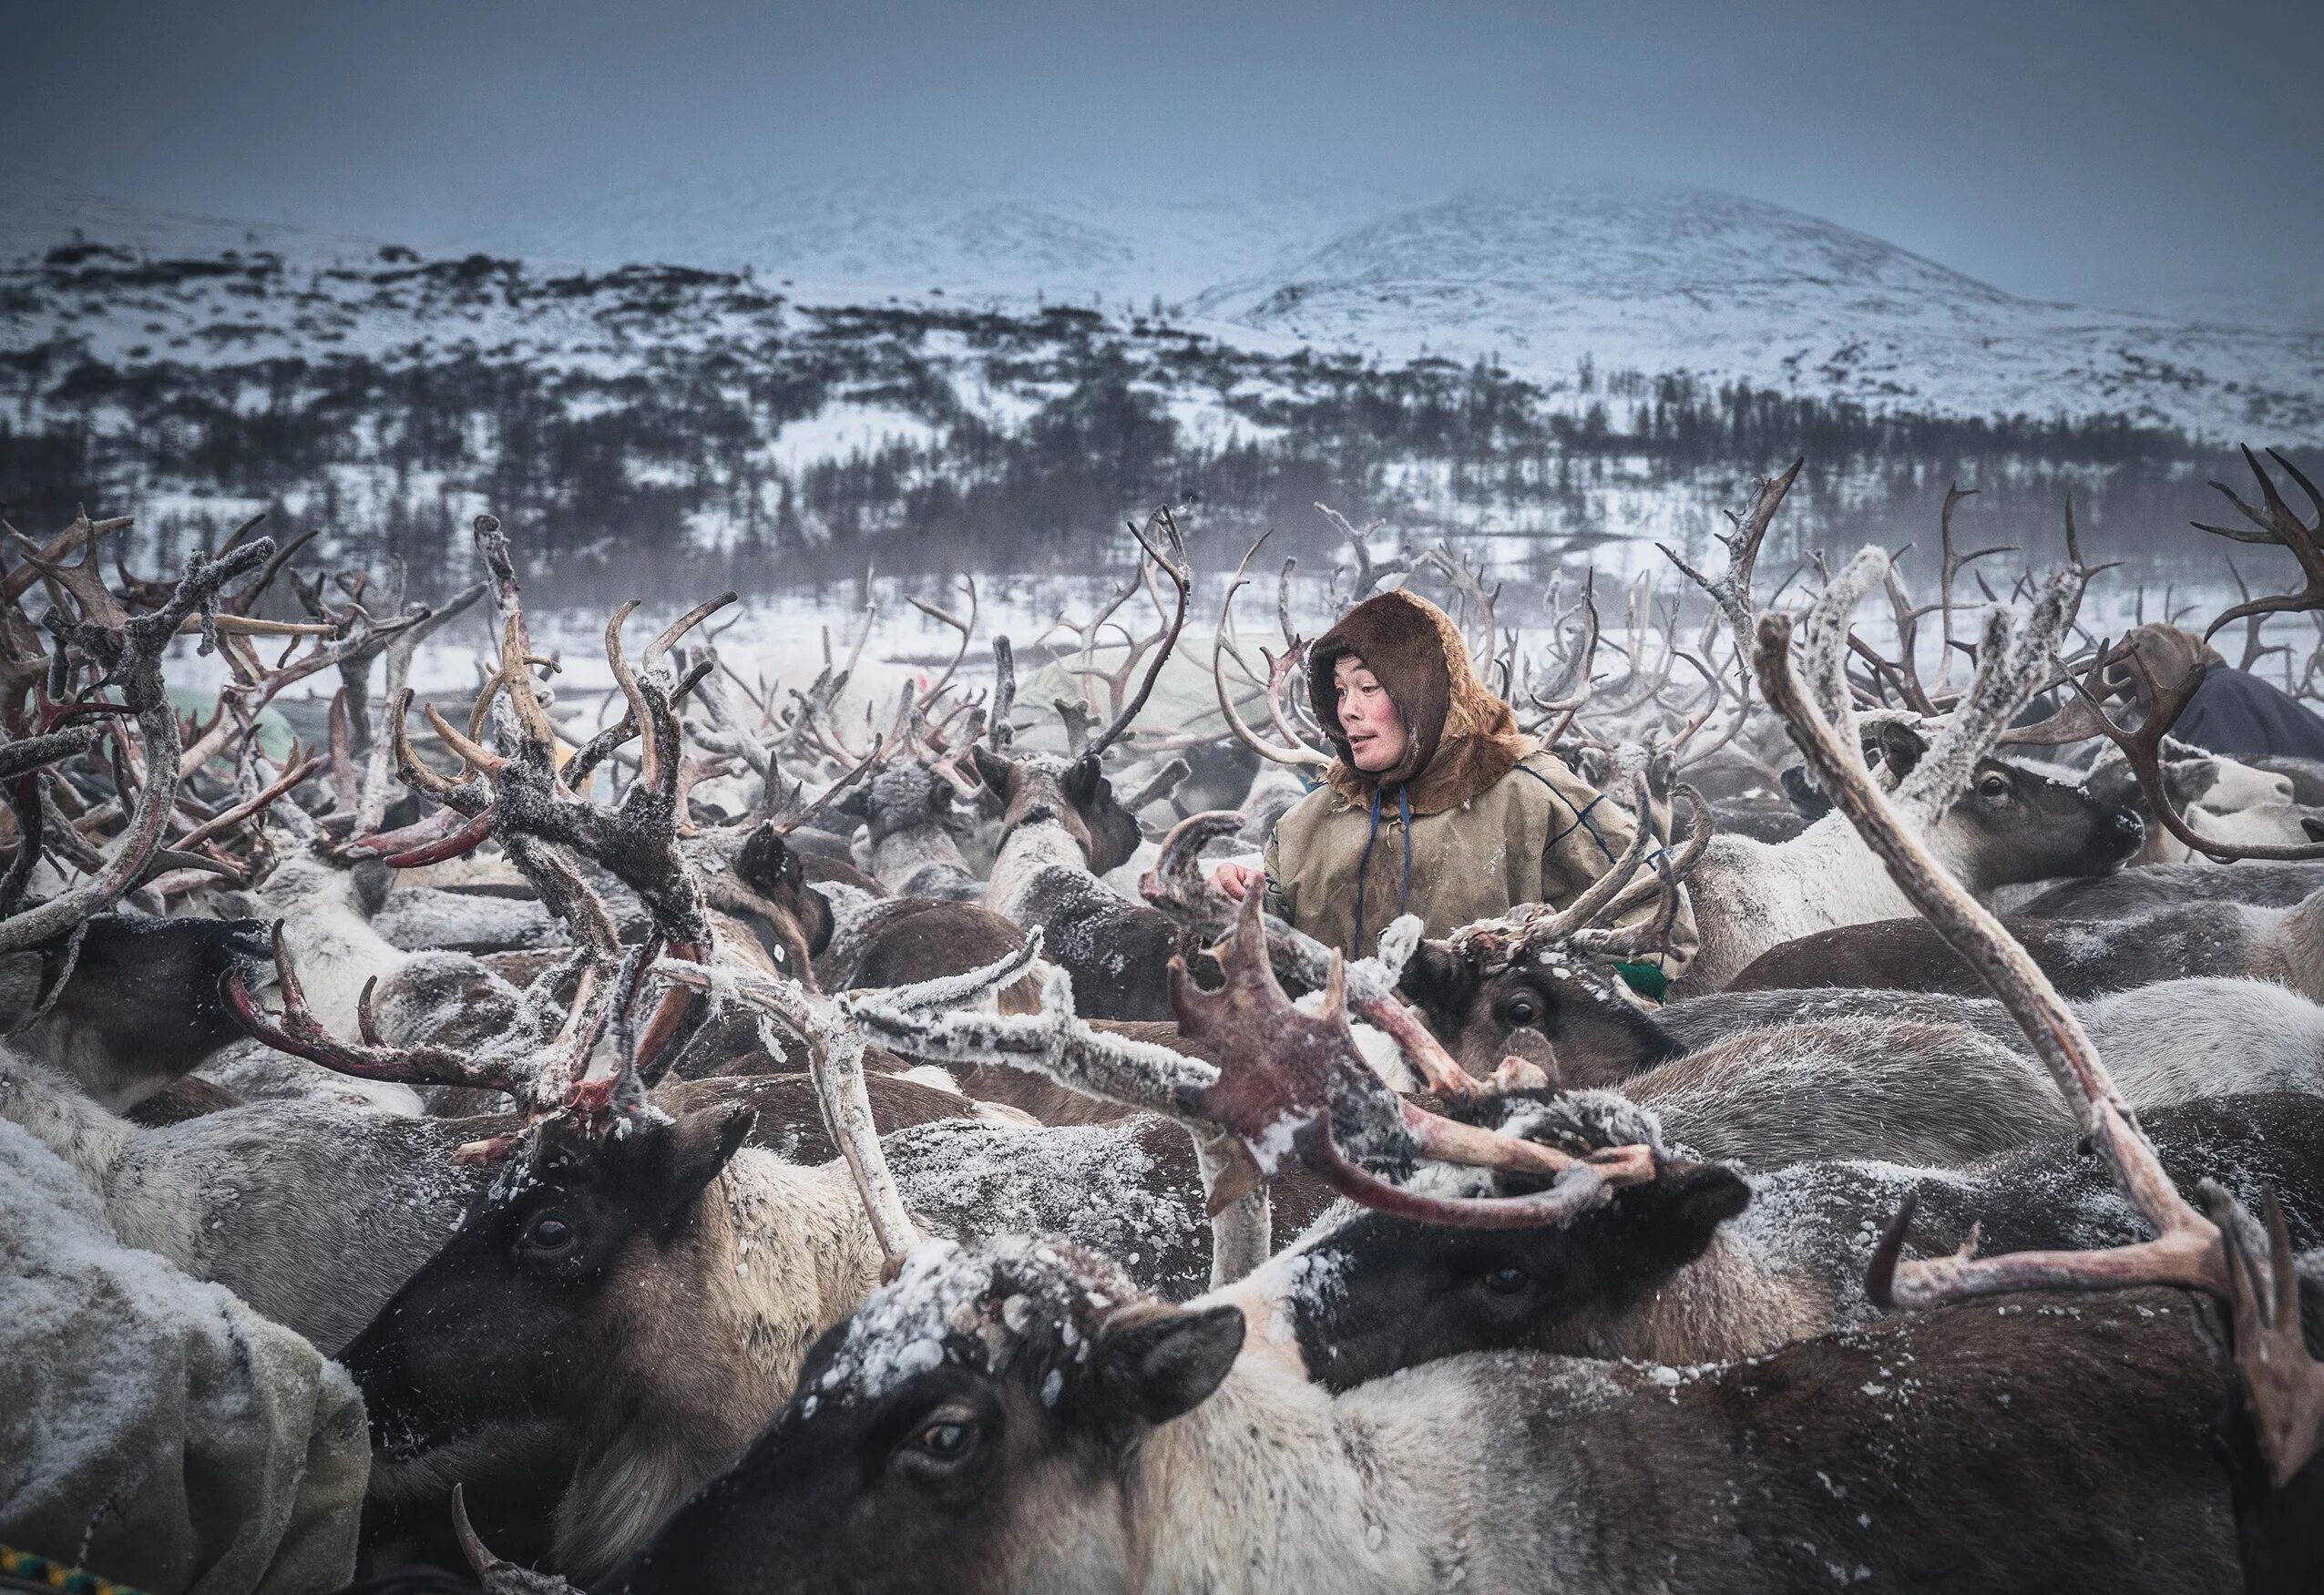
x: 22, y: 977
x: 1439, y: 979
x: 1084, y: 779
x: 1689, y: 1202
x: 1805, y: 795
x: 371, y: 879
x: 767, y: 862
x: 1166, y: 1365
x: 698, y: 1146
x: 993, y: 770
x: 1900, y: 747
x: 855, y: 803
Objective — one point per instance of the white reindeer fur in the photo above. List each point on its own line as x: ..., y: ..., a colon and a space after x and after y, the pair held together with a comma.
x: 2273, y: 822
x: 1274, y: 1485
x: 1750, y: 896
x: 1032, y: 849
x: 901, y: 859
x: 252, y: 1196
x: 2180, y: 1039
x: 785, y: 1255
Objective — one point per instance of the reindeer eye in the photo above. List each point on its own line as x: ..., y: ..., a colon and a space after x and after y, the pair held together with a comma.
x: 945, y: 1441
x: 1523, y: 1010
x: 1993, y: 786
x: 548, y: 1235
x: 1506, y: 1280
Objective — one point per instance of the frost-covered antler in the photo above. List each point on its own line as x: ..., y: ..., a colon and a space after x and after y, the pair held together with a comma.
x: 537, y: 811
x: 2006, y: 680
x: 540, y: 1058
x: 1295, y: 1082
x: 2283, y: 1385
x: 1292, y: 1084
x: 125, y: 652
x: 2186, y: 1250
x: 1282, y: 671
x: 1732, y: 591
x: 834, y: 1035
x: 1176, y: 886
x: 1498, y: 941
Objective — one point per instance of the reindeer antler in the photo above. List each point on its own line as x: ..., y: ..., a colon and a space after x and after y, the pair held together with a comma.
x: 2148, y: 654
x: 1175, y: 884
x: 1290, y: 1081
x: 2186, y: 1250
x: 1732, y: 591
x: 514, y: 1070
x: 2283, y: 1385
x: 128, y: 655
x: 1282, y: 669
x: 1539, y: 924
x: 1170, y: 559
x: 2277, y: 525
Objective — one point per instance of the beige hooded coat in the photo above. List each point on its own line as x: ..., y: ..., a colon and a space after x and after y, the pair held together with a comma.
x: 1495, y: 820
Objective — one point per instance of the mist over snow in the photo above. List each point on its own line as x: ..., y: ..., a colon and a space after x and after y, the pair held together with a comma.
x: 774, y: 386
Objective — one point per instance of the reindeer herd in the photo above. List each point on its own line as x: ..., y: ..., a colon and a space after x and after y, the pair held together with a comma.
x: 755, y: 1142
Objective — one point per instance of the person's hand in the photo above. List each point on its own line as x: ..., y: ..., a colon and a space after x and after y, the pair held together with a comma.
x: 1238, y: 881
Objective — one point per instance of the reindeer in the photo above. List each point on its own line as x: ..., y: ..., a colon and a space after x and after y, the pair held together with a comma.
x: 2277, y: 1427
x: 1018, y: 1414
x: 2132, y: 892
x: 2081, y: 957
x: 1063, y: 827
x: 1993, y: 822
x: 1766, y: 1086
x: 1709, y: 1265
x: 591, y: 1239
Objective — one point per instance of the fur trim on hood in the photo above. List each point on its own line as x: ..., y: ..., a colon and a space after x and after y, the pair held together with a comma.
x: 1463, y: 738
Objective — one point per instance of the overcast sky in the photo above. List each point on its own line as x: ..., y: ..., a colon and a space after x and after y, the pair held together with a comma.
x: 2087, y: 149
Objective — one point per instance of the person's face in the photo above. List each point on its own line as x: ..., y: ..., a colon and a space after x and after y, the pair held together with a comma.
x: 1377, y: 737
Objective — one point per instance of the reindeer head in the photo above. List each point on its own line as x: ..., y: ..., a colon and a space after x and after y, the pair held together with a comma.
x: 908, y: 793
x: 1373, y: 1294
x: 1074, y: 792
x: 1546, y: 986
x: 129, y: 1004
x: 2013, y: 821
x: 571, y: 1253
x: 978, y: 1416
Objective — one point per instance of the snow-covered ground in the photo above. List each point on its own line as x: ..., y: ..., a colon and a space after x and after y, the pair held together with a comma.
x: 1546, y: 280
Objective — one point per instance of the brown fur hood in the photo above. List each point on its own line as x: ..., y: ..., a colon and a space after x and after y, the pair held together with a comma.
x: 1463, y: 738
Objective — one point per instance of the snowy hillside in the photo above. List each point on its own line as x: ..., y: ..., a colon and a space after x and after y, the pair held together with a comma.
x: 1669, y: 279
x: 769, y: 397
x: 1644, y: 278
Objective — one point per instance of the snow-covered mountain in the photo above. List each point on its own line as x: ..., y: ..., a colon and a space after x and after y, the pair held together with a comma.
x: 787, y: 384
x: 1651, y: 279
x: 1665, y: 279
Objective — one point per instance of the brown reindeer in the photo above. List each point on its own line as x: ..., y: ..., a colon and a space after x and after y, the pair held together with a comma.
x: 2278, y: 1415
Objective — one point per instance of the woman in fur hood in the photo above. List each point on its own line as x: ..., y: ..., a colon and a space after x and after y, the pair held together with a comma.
x: 1437, y: 804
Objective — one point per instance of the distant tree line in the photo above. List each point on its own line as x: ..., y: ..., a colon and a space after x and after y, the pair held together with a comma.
x: 666, y: 467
